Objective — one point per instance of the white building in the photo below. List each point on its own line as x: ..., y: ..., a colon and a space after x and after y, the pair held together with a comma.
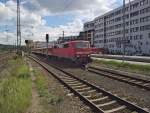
x: 89, y: 29
x: 109, y: 29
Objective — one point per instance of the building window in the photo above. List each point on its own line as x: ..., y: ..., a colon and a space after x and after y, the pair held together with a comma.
x: 134, y: 6
x: 136, y: 13
x: 127, y: 8
x: 145, y: 10
x: 145, y: 19
x: 118, y: 12
x: 141, y: 36
x: 146, y: 27
x: 127, y: 23
x: 117, y: 19
x: 135, y: 29
x: 135, y: 21
x: 126, y: 16
x: 143, y: 2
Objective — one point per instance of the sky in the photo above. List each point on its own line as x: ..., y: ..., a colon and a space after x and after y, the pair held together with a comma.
x: 39, y: 17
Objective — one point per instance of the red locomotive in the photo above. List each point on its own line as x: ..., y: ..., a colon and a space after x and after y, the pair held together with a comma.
x: 77, y: 51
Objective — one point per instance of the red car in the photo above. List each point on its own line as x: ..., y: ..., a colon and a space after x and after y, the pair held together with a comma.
x: 77, y: 51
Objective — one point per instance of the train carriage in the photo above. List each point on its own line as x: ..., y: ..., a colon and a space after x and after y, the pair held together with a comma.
x: 77, y: 51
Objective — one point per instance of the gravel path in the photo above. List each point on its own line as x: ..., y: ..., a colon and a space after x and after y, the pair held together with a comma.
x: 35, y: 106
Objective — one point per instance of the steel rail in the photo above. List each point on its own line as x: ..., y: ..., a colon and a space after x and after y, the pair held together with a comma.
x: 69, y: 80
x: 144, y: 84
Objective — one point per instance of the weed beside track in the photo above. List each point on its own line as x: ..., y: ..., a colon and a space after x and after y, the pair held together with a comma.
x: 15, y: 88
x: 134, y: 68
x: 43, y: 89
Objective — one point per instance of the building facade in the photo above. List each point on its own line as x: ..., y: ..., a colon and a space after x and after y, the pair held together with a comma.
x: 108, y: 29
x: 89, y: 29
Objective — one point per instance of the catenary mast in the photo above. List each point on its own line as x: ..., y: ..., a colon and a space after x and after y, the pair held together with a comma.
x: 18, y: 26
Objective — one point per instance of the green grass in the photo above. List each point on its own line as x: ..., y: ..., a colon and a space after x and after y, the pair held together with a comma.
x: 145, y: 69
x: 42, y: 87
x: 15, y: 89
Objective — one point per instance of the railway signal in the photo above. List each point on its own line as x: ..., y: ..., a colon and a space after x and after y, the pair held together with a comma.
x: 47, y: 41
x: 29, y: 45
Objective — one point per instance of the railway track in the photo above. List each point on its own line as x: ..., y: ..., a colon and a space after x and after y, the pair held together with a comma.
x: 3, y: 58
x: 141, y: 83
x: 99, y: 100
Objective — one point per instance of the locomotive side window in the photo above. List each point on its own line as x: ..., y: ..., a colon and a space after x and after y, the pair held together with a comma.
x: 66, y: 45
x: 82, y: 45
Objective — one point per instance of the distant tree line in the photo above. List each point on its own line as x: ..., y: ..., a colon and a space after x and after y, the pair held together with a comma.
x: 6, y: 47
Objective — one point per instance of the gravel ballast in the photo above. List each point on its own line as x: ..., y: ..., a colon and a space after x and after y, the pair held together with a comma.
x: 131, y: 93
x: 69, y: 103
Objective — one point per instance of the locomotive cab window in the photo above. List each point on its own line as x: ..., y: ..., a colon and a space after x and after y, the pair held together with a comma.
x: 82, y: 45
x: 66, y: 45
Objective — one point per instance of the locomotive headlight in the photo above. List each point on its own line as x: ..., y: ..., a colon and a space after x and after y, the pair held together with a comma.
x: 78, y: 55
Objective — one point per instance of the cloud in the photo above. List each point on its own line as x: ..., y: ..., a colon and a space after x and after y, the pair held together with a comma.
x: 33, y: 25
x: 6, y: 14
x: 53, y: 7
x: 57, y: 6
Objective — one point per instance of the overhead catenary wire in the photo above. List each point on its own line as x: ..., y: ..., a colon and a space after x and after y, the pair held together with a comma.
x: 68, y: 4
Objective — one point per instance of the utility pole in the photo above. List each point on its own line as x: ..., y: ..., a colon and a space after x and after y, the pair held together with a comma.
x: 15, y: 45
x: 124, y: 30
x: 18, y: 26
x: 6, y: 30
x: 63, y: 35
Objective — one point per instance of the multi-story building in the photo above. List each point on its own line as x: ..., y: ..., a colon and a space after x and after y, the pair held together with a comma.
x: 109, y: 29
x: 89, y: 31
